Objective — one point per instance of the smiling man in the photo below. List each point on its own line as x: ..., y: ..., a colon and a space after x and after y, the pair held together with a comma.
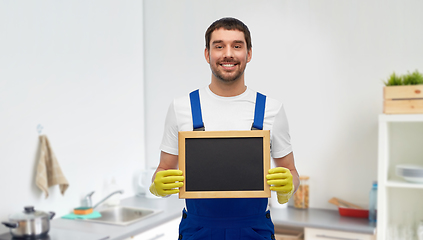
x: 227, y: 104
x: 228, y: 55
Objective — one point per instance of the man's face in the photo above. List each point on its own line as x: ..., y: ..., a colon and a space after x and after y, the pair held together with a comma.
x: 228, y: 55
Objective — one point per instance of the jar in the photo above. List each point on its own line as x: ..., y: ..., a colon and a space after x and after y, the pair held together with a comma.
x: 302, y: 193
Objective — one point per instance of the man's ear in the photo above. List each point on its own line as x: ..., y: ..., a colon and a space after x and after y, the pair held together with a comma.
x: 249, y: 55
x: 207, y: 55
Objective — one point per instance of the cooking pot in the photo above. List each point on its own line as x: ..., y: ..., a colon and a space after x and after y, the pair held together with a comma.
x: 29, y: 223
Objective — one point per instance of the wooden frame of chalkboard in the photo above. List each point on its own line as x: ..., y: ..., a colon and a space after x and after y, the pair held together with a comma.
x: 224, y: 164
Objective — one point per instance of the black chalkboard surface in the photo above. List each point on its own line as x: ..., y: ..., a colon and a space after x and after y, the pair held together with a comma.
x: 224, y: 164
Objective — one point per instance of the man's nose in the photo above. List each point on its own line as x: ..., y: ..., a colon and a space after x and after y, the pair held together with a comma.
x: 229, y: 52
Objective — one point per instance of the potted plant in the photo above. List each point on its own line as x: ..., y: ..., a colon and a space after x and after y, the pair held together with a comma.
x: 403, y: 93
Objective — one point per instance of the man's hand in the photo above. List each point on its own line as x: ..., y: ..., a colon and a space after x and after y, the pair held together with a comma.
x: 167, y: 182
x: 280, y: 180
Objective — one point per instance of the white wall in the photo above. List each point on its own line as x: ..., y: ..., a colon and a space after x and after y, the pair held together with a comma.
x: 324, y: 59
x: 76, y: 68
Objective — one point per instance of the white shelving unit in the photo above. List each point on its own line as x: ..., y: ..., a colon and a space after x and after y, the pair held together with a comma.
x: 399, y: 202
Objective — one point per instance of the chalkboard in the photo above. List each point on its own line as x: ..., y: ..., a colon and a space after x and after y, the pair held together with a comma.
x: 224, y: 164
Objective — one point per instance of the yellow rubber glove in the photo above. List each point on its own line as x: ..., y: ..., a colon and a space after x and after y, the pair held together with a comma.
x: 280, y: 180
x: 167, y: 182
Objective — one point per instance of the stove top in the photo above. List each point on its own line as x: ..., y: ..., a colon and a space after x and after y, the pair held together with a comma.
x: 59, y: 234
x: 8, y: 236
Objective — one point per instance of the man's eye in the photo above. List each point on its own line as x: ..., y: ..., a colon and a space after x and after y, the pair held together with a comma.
x: 218, y: 46
x: 237, y: 46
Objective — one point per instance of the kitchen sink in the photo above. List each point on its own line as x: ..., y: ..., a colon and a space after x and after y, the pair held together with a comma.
x: 120, y: 215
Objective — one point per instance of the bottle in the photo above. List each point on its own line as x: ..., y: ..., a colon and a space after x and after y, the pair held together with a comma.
x: 302, y: 194
x: 373, y: 203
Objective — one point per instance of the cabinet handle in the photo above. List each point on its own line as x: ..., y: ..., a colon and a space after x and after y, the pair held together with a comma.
x: 338, y: 238
x: 157, y: 236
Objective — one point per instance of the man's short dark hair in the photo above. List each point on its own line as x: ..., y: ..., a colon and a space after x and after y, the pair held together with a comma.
x: 229, y: 23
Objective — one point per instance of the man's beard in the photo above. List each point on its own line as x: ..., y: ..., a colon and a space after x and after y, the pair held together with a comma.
x: 225, y: 77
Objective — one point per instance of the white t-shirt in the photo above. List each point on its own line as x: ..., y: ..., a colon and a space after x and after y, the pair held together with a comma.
x: 227, y: 114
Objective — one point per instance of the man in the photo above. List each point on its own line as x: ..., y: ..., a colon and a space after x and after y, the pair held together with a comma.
x: 227, y: 104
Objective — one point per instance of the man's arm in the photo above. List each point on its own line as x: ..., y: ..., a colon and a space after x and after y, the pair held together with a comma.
x: 284, y: 178
x: 167, y: 179
x: 167, y: 161
x: 288, y: 162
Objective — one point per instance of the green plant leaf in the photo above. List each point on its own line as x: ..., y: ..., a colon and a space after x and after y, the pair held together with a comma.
x: 394, y: 80
x: 414, y: 78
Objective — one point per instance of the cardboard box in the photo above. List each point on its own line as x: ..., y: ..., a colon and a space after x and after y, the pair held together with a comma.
x: 403, y: 99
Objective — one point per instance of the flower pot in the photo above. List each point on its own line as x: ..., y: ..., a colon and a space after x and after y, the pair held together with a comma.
x: 406, y: 99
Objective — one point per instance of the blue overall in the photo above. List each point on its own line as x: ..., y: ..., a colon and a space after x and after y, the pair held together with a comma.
x: 226, y: 218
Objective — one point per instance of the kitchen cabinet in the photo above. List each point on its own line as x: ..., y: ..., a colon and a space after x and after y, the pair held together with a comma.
x: 399, y: 202
x: 166, y: 231
x: 325, y: 234
x: 323, y: 219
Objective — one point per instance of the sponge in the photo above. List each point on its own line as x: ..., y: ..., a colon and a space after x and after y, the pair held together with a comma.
x: 82, y: 210
x: 94, y: 214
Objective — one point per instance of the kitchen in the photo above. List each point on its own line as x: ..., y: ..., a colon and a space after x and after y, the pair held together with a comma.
x: 92, y: 75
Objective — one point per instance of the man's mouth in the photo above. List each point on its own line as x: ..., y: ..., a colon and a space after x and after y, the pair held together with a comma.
x: 228, y: 65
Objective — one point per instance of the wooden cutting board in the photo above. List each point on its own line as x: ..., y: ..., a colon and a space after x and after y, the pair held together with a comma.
x: 342, y: 203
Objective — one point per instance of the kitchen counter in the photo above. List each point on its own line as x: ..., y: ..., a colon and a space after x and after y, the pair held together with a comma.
x: 320, y: 218
x: 66, y: 229
x: 172, y: 208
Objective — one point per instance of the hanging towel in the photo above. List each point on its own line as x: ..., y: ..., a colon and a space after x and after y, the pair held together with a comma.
x: 48, y: 169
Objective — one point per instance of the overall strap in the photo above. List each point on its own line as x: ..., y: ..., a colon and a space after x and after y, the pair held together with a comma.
x: 259, y: 112
x: 197, y: 118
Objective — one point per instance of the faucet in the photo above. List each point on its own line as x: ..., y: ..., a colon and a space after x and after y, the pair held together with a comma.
x: 87, y: 202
